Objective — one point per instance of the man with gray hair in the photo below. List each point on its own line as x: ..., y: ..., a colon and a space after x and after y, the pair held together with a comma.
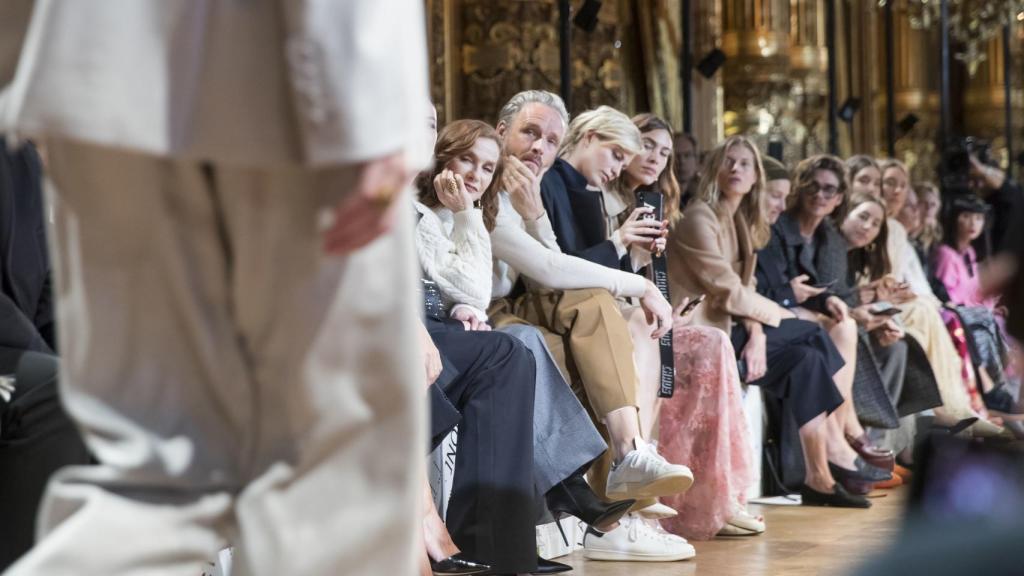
x: 572, y: 301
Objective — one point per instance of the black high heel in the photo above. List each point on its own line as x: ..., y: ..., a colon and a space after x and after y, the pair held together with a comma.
x: 456, y: 566
x: 545, y: 566
x: 574, y: 497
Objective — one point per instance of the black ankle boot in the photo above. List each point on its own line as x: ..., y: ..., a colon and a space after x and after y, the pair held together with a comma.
x: 573, y: 496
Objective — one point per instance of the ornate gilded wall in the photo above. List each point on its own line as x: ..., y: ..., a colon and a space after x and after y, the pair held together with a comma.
x: 483, y: 52
x: 773, y: 84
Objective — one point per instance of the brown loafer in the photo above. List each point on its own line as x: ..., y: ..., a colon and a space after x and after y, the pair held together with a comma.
x: 877, y: 457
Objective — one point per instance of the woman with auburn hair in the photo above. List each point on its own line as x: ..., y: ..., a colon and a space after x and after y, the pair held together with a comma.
x: 702, y: 425
x: 713, y: 254
x: 457, y: 210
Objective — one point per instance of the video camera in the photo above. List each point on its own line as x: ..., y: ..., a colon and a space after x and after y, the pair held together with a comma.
x: 955, y: 167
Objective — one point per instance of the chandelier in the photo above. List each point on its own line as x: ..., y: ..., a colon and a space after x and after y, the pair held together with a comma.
x: 972, y: 23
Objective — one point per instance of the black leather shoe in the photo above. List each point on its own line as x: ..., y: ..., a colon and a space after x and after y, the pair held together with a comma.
x: 545, y: 566
x: 861, y: 480
x: 872, y: 473
x: 839, y: 498
x: 573, y: 496
x: 873, y: 455
x: 457, y: 566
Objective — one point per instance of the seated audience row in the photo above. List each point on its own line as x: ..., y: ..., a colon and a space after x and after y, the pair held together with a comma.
x: 558, y: 357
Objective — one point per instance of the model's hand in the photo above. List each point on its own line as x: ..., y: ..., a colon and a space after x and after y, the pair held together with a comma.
x: 657, y: 310
x: 523, y: 187
x: 368, y: 210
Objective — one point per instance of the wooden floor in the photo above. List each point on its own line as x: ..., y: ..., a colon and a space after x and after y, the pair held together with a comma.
x: 800, y: 541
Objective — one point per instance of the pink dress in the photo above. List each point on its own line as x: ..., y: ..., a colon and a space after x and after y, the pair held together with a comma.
x: 959, y: 277
x: 703, y: 427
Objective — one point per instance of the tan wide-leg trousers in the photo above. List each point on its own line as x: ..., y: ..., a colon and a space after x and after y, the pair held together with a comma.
x: 590, y: 340
x: 238, y: 386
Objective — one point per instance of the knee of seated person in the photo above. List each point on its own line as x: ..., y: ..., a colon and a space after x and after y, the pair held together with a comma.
x: 525, y: 333
x: 711, y: 338
x: 37, y: 368
x: 505, y: 345
x: 848, y: 326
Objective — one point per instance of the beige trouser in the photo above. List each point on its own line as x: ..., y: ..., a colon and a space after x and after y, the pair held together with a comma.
x: 238, y: 386
x: 591, y: 342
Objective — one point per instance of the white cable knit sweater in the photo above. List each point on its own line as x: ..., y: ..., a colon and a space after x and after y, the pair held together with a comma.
x: 455, y: 252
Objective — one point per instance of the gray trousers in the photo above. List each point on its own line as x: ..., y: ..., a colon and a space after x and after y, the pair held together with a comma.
x: 238, y: 386
x: 564, y: 438
x: 892, y: 363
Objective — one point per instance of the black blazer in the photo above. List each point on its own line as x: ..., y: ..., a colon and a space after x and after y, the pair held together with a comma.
x: 577, y: 217
x: 772, y: 272
x: 826, y: 263
x: 26, y: 303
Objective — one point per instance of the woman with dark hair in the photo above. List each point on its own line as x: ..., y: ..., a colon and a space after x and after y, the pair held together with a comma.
x: 956, y: 267
x: 702, y: 425
x: 813, y: 259
x: 956, y: 262
x: 791, y: 359
x: 865, y: 228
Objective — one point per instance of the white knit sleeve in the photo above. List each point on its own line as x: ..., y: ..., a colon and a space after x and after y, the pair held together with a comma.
x: 460, y: 263
x: 513, y: 245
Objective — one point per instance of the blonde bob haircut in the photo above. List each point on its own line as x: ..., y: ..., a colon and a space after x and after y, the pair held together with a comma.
x: 608, y: 124
x: 752, y: 205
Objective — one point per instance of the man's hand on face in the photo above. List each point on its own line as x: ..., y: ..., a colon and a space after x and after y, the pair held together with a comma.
x: 523, y: 187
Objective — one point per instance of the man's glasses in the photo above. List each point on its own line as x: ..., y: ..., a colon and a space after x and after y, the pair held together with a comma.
x: 828, y: 190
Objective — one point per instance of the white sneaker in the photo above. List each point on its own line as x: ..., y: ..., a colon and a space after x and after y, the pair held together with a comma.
x: 657, y: 511
x: 636, y: 541
x: 644, y: 473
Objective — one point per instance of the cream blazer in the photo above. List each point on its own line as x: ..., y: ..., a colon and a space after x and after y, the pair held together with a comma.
x: 714, y: 255
x: 252, y: 82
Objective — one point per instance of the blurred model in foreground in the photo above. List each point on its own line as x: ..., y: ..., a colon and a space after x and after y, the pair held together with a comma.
x: 234, y: 282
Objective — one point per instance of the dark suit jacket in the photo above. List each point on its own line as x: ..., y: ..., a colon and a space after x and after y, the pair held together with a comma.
x: 786, y: 256
x: 26, y: 305
x: 577, y: 217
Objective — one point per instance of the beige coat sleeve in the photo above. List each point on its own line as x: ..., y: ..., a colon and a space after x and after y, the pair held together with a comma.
x: 358, y: 72
x: 697, y: 244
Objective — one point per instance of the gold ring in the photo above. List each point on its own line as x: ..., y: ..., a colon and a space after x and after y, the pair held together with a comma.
x: 384, y: 196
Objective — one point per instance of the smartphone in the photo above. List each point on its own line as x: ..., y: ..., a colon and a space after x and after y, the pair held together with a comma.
x: 650, y: 199
x: 692, y: 304
x: 826, y: 285
x: 884, y: 309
